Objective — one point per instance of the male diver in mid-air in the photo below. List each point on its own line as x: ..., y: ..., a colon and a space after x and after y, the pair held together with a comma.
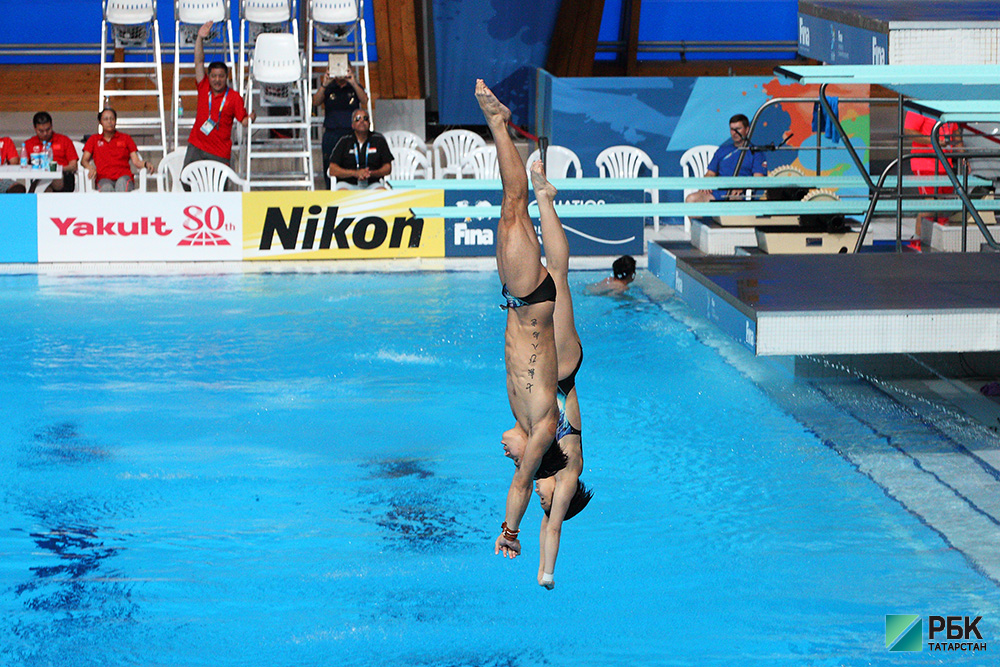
x: 558, y: 469
x: 529, y: 342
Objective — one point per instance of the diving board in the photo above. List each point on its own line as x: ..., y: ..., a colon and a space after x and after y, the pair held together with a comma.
x: 707, y: 209
x: 682, y: 183
x: 889, y: 75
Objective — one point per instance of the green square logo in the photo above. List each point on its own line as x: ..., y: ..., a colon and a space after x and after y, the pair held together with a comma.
x: 904, y: 632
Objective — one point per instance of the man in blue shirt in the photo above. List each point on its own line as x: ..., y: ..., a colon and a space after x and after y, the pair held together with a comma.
x: 724, y: 161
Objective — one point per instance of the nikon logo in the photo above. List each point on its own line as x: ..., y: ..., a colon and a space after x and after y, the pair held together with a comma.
x: 321, y: 230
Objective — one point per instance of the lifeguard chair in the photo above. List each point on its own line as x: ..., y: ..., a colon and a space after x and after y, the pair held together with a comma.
x: 277, y: 82
x: 263, y: 16
x: 189, y: 16
x: 338, y: 27
x: 130, y: 28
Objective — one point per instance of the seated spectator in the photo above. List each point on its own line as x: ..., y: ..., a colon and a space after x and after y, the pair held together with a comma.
x: 362, y: 158
x: 63, y: 151
x: 106, y: 156
x: 8, y: 155
x: 724, y: 161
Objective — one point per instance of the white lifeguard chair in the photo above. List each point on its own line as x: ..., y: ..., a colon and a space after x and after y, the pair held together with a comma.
x: 278, y: 81
x: 338, y: 27
x: 131, y: 26
x: 258, y: 17
x: 189, y: 15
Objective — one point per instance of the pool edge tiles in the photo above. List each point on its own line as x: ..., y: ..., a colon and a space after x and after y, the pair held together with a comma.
x: 718, y: 307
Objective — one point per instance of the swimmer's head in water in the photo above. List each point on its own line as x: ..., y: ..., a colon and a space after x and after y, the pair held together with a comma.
x: 624, y: 268
x: 514, y: 441
x: 546, y: 487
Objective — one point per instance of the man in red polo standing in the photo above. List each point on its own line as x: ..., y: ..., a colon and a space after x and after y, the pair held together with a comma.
x: 63, y: 152
x: 218, y: 106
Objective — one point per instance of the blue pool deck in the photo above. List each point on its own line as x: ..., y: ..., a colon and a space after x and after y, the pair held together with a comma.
x: 878, y: 303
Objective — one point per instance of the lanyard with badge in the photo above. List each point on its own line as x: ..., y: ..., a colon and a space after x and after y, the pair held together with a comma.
x: 358, y: 148
x: 357, y: 158
x: 210, y: 124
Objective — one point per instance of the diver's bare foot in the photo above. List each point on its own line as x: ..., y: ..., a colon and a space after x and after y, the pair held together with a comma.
x: 543, y: 189
x: 495, y: 113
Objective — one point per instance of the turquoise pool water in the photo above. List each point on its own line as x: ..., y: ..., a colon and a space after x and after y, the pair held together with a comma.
x: 297, y: 469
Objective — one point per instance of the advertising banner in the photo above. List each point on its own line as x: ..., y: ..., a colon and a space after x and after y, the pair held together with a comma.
x: 18, y: 224
x: 144, y: 227
x: 476, y: 237
x: 837, y: 44
x: 341, y: 224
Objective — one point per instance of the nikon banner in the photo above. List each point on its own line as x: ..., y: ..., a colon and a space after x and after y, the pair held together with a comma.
x: 341, y: 224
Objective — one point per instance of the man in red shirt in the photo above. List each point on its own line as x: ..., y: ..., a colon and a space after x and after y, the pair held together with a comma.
x: 918, y: 127
x: 106, y: 156
x: 8, y: 155
x: 218, y: 107
x: 63, y: 151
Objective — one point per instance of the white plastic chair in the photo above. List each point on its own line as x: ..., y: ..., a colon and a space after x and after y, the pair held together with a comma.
x: 129, y: 12
x: 694, y: 164
x: 266, y: 11
x: 404, y: 139
x: 627, y: 162
x: 334, y: 11
x: 450, y: 149
x: 168, y: 174
x: 558, y: 160
x: 210, y: 176
x: 198, y: 12
x: 409, y: 164
x: 481, y: 163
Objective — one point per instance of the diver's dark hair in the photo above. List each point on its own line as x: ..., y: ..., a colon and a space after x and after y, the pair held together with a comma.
x: 578, y: 501
x: 740, y: 118
x: 101, y: 113
x: 41, y: 118
x: 553, y: 460
x: 624, y: 268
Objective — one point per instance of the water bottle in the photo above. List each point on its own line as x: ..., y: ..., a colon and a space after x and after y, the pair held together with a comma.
x: 180, y: 107
x: 24, y: 156
x: 47, y: 155
x: 36, y: 157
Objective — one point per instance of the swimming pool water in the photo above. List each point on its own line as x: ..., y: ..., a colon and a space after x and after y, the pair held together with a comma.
x: 301, y: 469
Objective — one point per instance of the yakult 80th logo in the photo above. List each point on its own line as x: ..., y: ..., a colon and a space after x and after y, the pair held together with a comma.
x: 203, y: 223
x: 140, y: 227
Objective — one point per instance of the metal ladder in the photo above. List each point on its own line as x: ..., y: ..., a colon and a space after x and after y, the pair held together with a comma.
x: 130, y: 28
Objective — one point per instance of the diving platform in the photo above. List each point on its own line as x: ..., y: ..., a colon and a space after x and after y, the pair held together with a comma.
x: 865, y: 303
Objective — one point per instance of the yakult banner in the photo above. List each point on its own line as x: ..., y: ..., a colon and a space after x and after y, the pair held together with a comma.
x: 146, y: 227
x: 341, y: 224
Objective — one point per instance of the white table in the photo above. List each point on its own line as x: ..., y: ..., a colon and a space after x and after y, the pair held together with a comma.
x: 30, y: 176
